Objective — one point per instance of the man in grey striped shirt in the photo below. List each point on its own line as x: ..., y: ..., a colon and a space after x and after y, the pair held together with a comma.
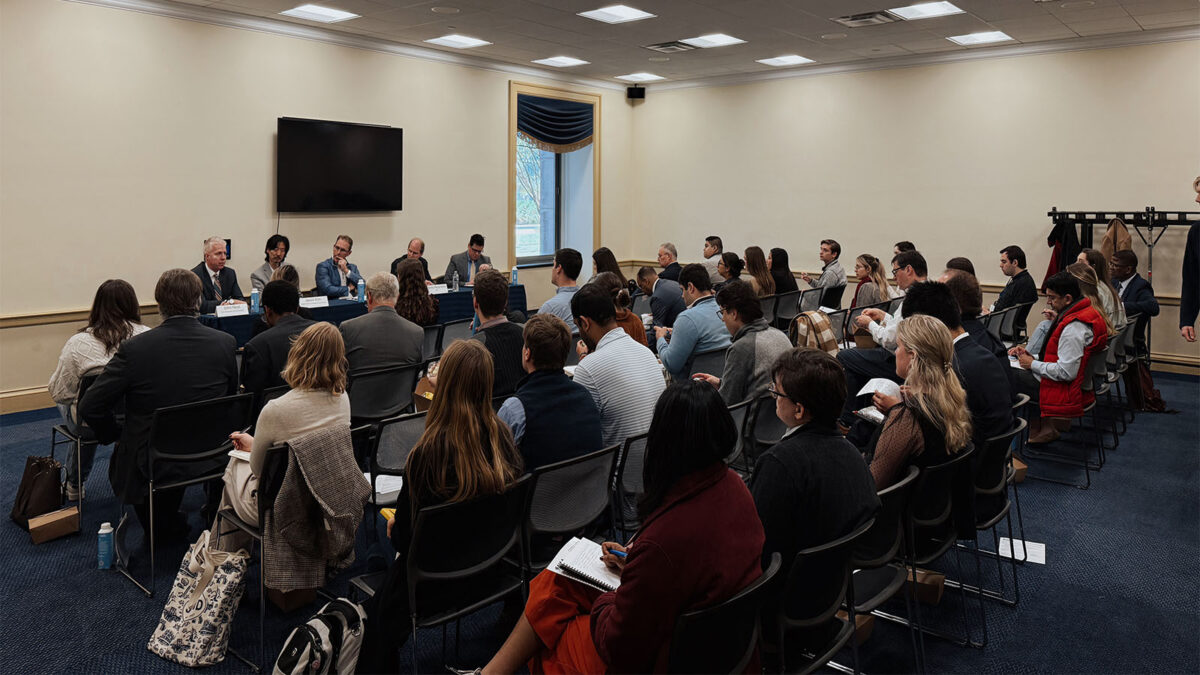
x: 623, y: 377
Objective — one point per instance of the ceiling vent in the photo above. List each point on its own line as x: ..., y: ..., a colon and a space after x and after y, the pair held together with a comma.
x: 865, y: 19
x: 670, y: 47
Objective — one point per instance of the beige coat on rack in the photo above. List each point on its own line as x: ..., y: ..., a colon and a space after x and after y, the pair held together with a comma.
x: 1116, y: 238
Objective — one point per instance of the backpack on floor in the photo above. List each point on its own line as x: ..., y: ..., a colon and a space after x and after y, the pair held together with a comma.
x: 327, y: 643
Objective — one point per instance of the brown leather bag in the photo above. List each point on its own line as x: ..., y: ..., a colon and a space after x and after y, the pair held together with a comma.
x: 1140, y: 385
x: 40, y: 490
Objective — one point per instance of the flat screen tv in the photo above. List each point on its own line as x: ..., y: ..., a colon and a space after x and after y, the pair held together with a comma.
x: 323, y: 166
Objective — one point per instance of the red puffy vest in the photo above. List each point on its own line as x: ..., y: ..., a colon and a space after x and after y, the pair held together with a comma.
x: 1068, y: 399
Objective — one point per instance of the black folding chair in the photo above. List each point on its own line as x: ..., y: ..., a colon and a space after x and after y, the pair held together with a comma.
x: 565, y: 498
x: 894, y: 304
x: 810, y: 299
x: 82, y: 437
x: 266, y: 396
x: 740, y: 413
x: 390, y: 445
x: 841, y: 330
x: 431, y: 347
x: 711, y: 362
x: 787, y: 306
x: 832, y: 297
x: 763, y: 430
x: 454, y: 330
x: 376, y: 395
x: 724, y: 637
x: 768, y: 303
x: 641, y: 304
x: 1010, y: 332
x: 572, y: 353
x: 627, y: 485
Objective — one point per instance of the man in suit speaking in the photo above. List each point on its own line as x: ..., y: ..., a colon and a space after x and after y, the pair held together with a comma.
x: 469, y: 262
x: 218, y: 283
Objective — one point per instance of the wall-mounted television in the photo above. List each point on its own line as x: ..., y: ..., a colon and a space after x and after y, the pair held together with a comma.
x: 324, y: 166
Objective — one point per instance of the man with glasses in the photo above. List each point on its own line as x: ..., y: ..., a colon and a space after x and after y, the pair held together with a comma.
x: 468, y: 263
x: 697, y: 329
x: 416, y: 251
x: 337, y: 278
x: 1136, y: 294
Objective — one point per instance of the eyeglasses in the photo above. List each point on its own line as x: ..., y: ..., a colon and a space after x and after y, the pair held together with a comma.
x: 339, y: 249
x: 778, y: 394
x: 894, y: 270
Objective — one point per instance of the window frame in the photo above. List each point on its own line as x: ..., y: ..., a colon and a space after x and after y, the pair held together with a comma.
x: 548, y: 258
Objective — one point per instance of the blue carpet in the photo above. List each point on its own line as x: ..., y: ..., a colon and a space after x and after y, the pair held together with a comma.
x: 1118, y: 592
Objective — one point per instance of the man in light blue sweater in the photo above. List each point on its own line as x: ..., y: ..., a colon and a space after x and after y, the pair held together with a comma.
x: 697, y: 329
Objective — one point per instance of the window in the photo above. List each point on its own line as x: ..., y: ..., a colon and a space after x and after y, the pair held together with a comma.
x: 538, y: 228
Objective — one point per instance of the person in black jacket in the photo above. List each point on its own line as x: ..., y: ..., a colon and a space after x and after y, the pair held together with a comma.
x: 668, y: 258
x: 1020, y: 289
x: 265, y: 355
x: 501, y: 337
x: 1136, y: 294
x: 213, y: 268
x: 180, y: 361
x: 777, y: 262
x: 416, y: 251
x: 1189, y: 302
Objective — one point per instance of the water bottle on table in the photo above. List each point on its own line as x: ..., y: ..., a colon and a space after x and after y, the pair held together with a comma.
x: 254, y: 301
x: 454, y: 281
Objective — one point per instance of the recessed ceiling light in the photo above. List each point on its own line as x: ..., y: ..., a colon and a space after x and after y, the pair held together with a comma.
x: 640, y: 77
x: 979, y: 38
x: 318, y: 13
x: 659, y: 59
x: 712, y: 40
x: 561, y: 61
x: 445, y: 10
x: 1077, y: 5
x: 925, y: 10
x: 833, y: 36
x: 785, y: 60
x: 458, y: 41
x: 617, y: 14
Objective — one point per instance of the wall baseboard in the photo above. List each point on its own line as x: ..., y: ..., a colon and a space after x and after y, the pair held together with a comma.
x: 20, y: 400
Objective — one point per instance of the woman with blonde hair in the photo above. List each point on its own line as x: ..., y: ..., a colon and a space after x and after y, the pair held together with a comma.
x: 1110, y: 302
x: 930, y: 421
x: 760, y: 275
x: 872, y: 287
x: 1089, y: 286
x: 465, y: 452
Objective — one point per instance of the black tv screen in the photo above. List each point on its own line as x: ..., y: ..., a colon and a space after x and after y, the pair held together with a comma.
x: 337, y: 166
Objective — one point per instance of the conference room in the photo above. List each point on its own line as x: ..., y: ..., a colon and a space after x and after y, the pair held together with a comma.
x: 481, y: 139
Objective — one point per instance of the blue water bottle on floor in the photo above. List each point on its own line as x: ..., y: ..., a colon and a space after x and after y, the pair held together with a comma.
x: 254, y: 301
x: 362, y: 290
x: 104, y: 555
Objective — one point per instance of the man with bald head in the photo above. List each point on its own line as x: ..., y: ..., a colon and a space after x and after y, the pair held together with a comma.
x: 416, y: 251
x: 218, y: 283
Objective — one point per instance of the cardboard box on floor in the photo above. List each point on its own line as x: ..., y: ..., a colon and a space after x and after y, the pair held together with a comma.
x: 1019, y: 469
x: 929, y: 586
x: 53, y: 525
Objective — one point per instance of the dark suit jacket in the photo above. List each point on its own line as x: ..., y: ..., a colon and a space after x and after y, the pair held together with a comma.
x: 460, y: 262
x: 424, y: 265
x: 1138, y: 298
x: 985, y: 339
x: 985, y: 380
x: 381, y: 339
x: 671, y: 272
x: 329, y: 280
x: 666, y: 303
x: 179, y: 362
x: 229, y: 288
x: 1019, y: 290
x: 265, y: 355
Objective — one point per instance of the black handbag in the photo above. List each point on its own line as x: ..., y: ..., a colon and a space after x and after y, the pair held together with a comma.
x: 41, y: 490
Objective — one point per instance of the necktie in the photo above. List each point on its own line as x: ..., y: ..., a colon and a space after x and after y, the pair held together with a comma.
x: 217, y: 285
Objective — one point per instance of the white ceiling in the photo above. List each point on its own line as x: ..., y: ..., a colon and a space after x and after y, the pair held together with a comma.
x: 524, y: 30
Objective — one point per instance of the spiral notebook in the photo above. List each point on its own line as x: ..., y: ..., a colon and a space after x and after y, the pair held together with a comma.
x: 579, y: 559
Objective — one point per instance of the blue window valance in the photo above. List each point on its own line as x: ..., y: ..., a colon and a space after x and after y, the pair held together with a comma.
x: 553, y: 124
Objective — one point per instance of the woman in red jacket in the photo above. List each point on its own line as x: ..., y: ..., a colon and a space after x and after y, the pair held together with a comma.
x: 700, y: 542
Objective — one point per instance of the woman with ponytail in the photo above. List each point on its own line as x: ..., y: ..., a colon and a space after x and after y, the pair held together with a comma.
x: 628, y: 321
x: 872, y: 287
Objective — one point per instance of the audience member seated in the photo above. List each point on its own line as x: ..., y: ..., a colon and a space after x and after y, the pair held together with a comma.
x: 668, y: 259
x: 603, y: 261
x: 501, y: 337
x: 961, y: 264
x: 551, y: 417
x: 729, y: 266
x: 781, y: 272
x: 1136, y: 294
x: 755, y: 348
x: 969, y: 298
x: 930, y: 421
x: 713, y: 248
x: 1089, y: 288
x: 622, y: 376
x: 416, y: 251
x: 832, y: 273
x: 666, y: 297
x: 699, y: 544
x: 465, y: 452
x: 316, y: 373
x: 180, y: 361
x: 414, y: 301
x: 1111, y: 303
x: 115, y: 317
x: 381, y: 338
x: 628, y: 321
x: 218, y: 283
x: 1020, y: 289
x: 276, y: 251
x: 567, y: 264
x: 903, y: 247
x: 266, y: 354
x: 862, y: 365
x: 697, y: 329
x: 759, y: 272
x: 1054, y: 377
x: 288, y: 273
x: 983, y: 376
x: 813, y: 486
x: 468, y: 263
x: 337, y: 278
x: 872, y: 287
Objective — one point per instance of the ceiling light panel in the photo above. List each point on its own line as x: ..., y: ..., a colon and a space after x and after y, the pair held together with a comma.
x: 617, y: 14
x: 458, y: 41
x: 561, y: 61
x: 712, y: 40
x: 318, y: 13
x: 785, y: 60
x: 984, y: 38
x: 925, y: 10
x: 641, y: 77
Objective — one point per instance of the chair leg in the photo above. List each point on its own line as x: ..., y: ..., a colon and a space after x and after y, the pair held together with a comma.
x: 151, y: 537
x: 415, y: 669
x: 853, y: 620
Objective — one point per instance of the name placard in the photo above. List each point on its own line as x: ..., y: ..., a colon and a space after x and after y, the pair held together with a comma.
x: 319, y: 301
x: 438, y: 289
x: 233, y: 310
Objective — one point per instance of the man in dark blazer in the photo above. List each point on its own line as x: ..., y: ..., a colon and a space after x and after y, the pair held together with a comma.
x: 213, y: 269
x: 1020, y: 289
x: 265, y: 355
x: 469, y: 262
x: 668, y: 259
x: 381, y: 338
x: 1136, y: 294
x: 416, y: 251
x: 180, y: 361
x: 666, y: 297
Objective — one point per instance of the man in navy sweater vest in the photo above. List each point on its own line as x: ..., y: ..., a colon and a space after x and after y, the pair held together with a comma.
x: 551, y: 417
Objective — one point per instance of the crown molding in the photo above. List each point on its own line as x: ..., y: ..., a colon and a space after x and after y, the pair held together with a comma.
x: 218, y: 17
x: 970, y: 54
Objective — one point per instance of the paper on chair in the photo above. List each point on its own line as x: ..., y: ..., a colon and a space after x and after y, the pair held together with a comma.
x: 386, y: 484
x: 881, y: 385
x: 826, y: 310
x: 1031, y: 551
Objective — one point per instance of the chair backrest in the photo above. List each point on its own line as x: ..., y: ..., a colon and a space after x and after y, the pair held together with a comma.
x: 739, y: 412
x: 882, y: 542
x: 641, y: 304
x: 724, y: 637
x: 816, y: 581
x: 787, y: 306
x: 431, y: 347
x: 627, y: 480
x: 572, y: 353
x: 379, y: 394
x: 711, y: 362
x: 1008, y: 328
x: 1097, y: 369
x: 894, y: 305
x: 454, y: 330
x: 991, y: 472
x: 768, y: 303
x: 196, y: 432
x: 993, y: 321
x: 569, y: 495
x: 837, y: 321
x: 933, y: 497
x: 832, y: 296
x: 267, y: 395
x: 765, y: 426
x: 810, y: 299
x: 393, y: 441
